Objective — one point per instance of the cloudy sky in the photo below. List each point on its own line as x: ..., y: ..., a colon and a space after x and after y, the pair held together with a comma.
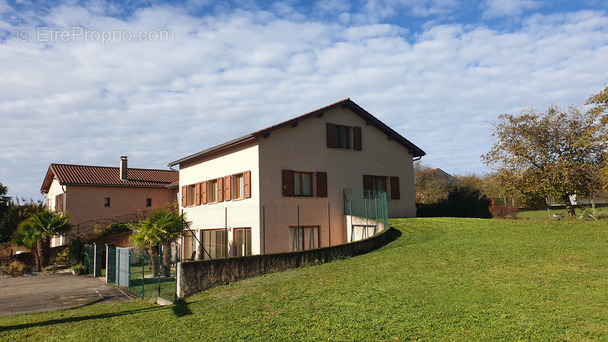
x: 84, y: 82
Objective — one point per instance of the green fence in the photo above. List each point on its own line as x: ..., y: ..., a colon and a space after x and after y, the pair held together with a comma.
x: 367, y: 213
x: 144, y: 275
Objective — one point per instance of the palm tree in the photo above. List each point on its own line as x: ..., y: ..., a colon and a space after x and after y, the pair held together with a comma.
x: 42, y: 226
x: 27, y: 236
x: 162, y: 227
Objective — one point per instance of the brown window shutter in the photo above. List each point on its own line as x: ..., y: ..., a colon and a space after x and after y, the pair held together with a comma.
x: 357, y: 142
x: 288, y: 189
x: 395, y: 194
x: 331, y: 135
x: 247, y: 184
x: 204, y: 192
x: 220, y: 189
x: 368, y: 183
x: 227, y: 184
x: 184, y: 196
x: 321, y: 184
x: 198, y: 196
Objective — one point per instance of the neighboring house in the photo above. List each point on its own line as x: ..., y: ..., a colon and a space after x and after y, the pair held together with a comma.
x: 102, y: 195
x: 241, y: 197
x: 433, y: 185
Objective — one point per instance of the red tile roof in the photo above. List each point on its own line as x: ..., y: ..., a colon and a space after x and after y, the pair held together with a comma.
x: 108, y: 176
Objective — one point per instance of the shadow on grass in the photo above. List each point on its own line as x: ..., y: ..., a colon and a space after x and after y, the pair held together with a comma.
x: 76, y: 319
x: 180, y: 308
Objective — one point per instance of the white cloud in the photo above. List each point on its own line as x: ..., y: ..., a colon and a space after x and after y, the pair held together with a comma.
x: 228, y: 75
x: 508, y: 8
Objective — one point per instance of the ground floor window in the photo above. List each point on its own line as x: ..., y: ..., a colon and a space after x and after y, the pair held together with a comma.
x: 242, y: 241
x: 303, y: 238
x: 215, y: 243
x: 190, y: 244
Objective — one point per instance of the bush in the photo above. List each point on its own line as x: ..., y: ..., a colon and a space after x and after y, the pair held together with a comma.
x: 462, y: 201
x: 113, y: 228
x: 76, y: 252
x: 14, y: 269
x: 63, y: 256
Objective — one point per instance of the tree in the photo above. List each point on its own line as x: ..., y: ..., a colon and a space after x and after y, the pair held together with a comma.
x: 42, y: 226
x: 162, y: 227
x: 550, y: 154
x: 432, y: 185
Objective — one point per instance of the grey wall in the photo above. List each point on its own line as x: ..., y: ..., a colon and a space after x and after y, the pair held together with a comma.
x: 196, y: 276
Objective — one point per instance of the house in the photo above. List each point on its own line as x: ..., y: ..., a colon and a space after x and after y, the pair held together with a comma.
x: 100, y: 195
x: 433, y: 185
x: 283, y: 188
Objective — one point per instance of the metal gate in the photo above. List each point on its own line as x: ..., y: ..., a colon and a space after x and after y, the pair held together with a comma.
x: 111, y: 265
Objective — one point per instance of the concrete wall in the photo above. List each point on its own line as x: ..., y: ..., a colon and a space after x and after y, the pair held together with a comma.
x: 196, y: 276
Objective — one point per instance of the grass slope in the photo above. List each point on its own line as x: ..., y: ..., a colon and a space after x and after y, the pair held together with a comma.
x: 443, y: 279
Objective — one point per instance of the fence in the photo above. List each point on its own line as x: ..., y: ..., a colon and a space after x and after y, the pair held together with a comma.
x: 143, y: 274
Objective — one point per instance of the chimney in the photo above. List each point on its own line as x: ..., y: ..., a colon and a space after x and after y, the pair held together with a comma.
x: 123, y: 168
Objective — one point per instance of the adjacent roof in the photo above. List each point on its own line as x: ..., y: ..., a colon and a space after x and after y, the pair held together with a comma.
x: 346, y: 103
x: 108, y: 176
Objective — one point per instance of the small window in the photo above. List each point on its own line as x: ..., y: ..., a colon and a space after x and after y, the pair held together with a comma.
x: 373, y: 185
x: 148, y: 202
x: 303, y: 184
x: 191, y: 194
x: 238, y: 186
x: 212, y: 191
x: 107, y: 202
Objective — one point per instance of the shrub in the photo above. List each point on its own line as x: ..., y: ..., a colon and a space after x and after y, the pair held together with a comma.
x: 16, y: 269
x: 462, y: 201
x: 76, y: 252
x: 113, y: 228
x: 63, y: 256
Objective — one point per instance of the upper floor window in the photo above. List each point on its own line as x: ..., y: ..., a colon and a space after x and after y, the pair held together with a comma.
x: 217, y: 190
x: 303, y: 184
x: 212, y: 191
x: 344, y: 137
x: 148, y: 202
x: 238, y: 186
x: 106, y: 202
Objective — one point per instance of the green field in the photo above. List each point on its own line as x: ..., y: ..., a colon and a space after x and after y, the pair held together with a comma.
x: 442, y: 279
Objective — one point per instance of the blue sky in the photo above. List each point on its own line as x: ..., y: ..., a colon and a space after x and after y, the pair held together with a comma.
x: 84, y: 82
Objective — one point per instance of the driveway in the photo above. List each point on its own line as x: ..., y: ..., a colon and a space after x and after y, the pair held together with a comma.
x: 54, y: 292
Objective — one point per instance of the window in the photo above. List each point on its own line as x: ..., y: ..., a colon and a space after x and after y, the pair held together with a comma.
x: 191, y: 194
x: 300, y: 183
x: 339, y: 136
x: 59, y: 202
x: 242, y: 241
x: 215, y: 243
x: 190, y: 244
x: 215, y: 190
x: 303, y: 184
x: 238, y: 186
x: 303, y: 238
x: 375, y: 184
x: 106, y: 202
x: 148, y: 202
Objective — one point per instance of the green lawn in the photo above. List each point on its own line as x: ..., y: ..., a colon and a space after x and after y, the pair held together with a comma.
x: 442, y: 279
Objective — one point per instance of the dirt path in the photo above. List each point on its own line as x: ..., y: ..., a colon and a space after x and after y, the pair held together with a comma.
x: 54, y: 292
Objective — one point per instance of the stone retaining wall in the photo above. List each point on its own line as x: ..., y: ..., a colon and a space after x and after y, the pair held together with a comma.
x: 196, y: 276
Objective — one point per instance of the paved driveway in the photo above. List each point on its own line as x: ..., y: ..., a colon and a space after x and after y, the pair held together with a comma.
x: 54, y: 292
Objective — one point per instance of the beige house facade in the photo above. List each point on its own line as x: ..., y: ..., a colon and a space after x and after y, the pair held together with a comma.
x: 100, y: 195
x: 283, y: 188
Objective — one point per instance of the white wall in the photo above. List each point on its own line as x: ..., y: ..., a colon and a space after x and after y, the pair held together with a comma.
x: 239, y: 213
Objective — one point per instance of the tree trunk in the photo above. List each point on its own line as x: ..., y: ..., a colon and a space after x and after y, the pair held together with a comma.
x: 166, y: 260
x: 593, y: 206
x: 154, y: 260
x: 43, y: 250
x: 36, y: 252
